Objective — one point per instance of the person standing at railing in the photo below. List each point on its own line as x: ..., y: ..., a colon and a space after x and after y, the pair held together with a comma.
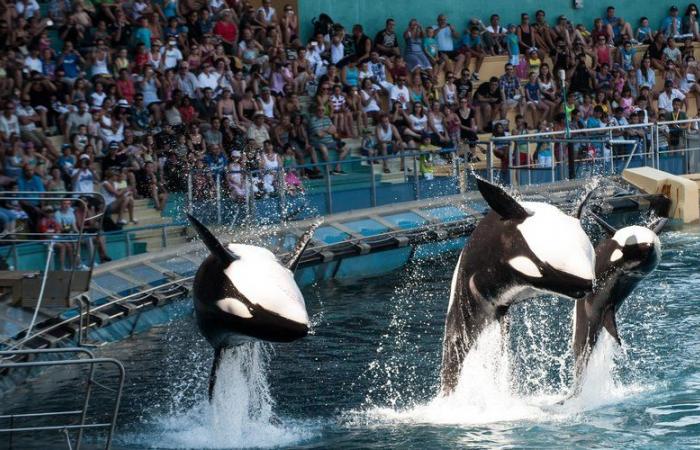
x: 676, y: 131
x: 65, y: 216
x: 49, y: 226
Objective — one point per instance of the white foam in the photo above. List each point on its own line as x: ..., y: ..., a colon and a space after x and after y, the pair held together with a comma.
x: 488, y: 392
x: 240, y: 416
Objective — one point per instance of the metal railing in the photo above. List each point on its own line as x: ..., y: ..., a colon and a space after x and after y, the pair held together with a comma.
x: 21, y: 422
x: 604, y: 150
x: 579, y: 154
x: 217, y: 191
x: 30, y: 201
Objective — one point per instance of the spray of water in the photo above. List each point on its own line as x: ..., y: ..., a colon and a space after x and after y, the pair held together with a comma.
x: 239, y: 416
x: 489, y: 392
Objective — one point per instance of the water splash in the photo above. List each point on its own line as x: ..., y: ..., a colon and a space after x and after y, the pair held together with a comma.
x: 239, y: 416
x: 493, y: 388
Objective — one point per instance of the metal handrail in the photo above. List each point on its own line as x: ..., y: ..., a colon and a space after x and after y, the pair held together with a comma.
x: 139, y: 294
x: 91, y: 361
x: 51, y: 237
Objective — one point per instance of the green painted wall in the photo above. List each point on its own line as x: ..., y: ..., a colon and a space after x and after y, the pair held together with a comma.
x: 372, y: 13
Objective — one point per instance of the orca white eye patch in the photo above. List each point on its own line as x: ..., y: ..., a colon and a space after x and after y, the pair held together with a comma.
x: 525, y: 266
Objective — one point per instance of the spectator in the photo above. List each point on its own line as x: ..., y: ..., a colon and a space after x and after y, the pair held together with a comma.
x: 512, y: 94
x: 386, y: 42
x: 671, y: 25
x: 48, y: 225
x: 494, y: 36
x: 323, y: 136
x: 619, y: 29
x: 645, y: 34
x: 149, y: 184
x: 415, y: 56
x: 689, y: 26
x: 472, y: 48
x: 445, y: 35
x: 489, y: 98
x: 667, y: 96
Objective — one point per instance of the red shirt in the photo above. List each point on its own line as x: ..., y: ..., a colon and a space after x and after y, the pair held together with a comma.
x: 227, y: 31
x: 126, y: 87
x: 186, y: 113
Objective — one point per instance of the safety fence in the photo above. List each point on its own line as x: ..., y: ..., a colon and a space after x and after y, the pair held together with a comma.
x: 255, y: 196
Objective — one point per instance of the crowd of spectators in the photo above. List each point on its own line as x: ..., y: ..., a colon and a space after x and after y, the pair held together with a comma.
x: 145, y: 92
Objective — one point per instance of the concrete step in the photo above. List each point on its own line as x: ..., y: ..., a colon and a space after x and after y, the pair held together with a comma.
x: 149, y: 220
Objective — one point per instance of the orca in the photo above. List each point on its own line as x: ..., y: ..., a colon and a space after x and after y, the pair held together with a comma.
x: 243, y: 292
x: 623, y: 260
x: 518, y: 249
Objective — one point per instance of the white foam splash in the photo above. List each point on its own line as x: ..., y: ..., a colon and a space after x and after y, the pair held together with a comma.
x: 240, y: 415
x: 488, y: 393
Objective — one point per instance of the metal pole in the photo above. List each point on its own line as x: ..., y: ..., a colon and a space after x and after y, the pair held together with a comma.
x: 15, y: 258
x: 372, y: 186
x: 329, y: 189
x: 514, y: 180
x: 218, y: 198
x: 49, y: 258
x: 656, y: 149
x: 127, y: 240
x: 163, y: 237
x: 282, y: 188
x: 416, y: 177
x: 189, y: 192
x: 489, y: 162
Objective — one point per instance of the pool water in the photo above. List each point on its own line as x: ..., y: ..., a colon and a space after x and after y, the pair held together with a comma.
x: 367, y: 377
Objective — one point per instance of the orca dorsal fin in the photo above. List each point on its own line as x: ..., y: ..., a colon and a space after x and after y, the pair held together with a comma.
x: 501, y: 202
x: 302, y: 243
x: 219, y: 250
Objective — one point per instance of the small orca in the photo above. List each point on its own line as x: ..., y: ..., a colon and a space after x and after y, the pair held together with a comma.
x: 516, y: 250
x: 243, y: 292
x: 623, y: 260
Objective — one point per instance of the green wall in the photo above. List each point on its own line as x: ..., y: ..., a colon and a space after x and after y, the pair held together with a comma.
x: 372, y: 13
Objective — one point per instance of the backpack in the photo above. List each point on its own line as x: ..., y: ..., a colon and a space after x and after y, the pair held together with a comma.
x: 322, y: 25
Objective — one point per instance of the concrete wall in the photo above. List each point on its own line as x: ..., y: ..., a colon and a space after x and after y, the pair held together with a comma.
x: 372, y: 13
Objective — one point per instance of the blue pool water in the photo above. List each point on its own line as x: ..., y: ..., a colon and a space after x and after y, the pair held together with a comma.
x: 368, y: 375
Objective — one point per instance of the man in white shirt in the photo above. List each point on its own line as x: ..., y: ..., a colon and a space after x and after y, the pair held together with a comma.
x: 268, y: 12
x: 208, y: 78
x: 187, y: 81
x: 494, y: 36
x: 9, y: 123
x: 666, y: 98
x: 378, y: 70
x: 27, y: 8
x: 399, y: 93
x: 445, y: 34
x: 32, y: 63
x: 170, y: 54
x: 78, y: 118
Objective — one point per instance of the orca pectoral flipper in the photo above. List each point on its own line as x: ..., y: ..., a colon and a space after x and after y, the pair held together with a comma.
x: 221, y: 252
x: 294, y: 257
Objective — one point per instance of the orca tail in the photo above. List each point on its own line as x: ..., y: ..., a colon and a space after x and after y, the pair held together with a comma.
x: 218, y: 352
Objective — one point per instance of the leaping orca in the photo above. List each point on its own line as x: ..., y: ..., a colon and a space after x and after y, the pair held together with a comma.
x: 517, y: 248
x: 243, y: 292
x: 623, y: 260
